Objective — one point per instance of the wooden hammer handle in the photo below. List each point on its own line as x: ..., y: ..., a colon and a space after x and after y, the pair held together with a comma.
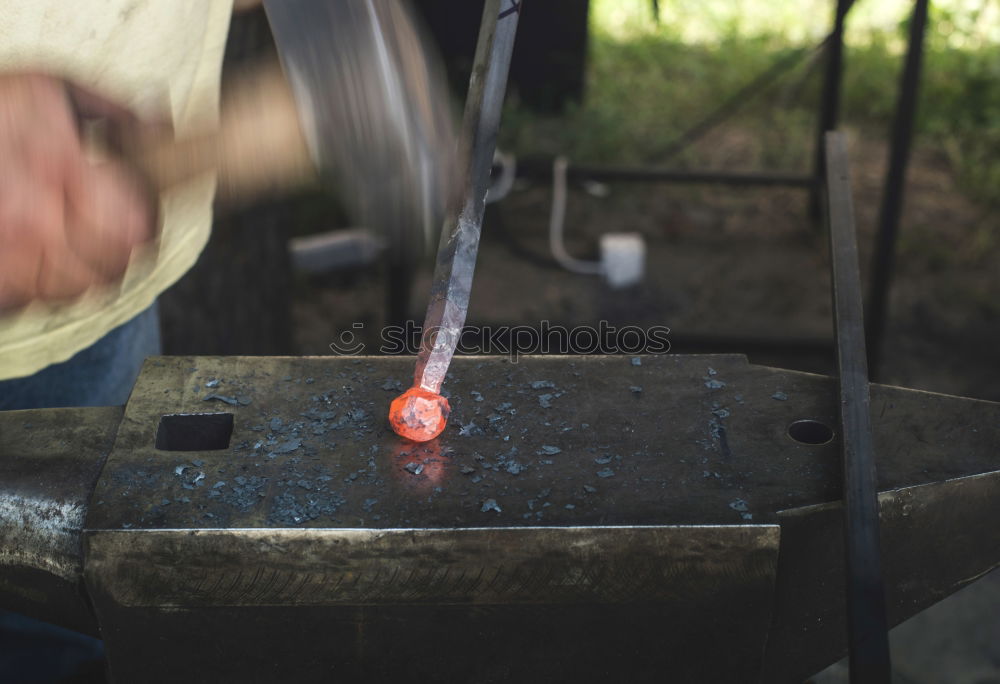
x: 258, y: 148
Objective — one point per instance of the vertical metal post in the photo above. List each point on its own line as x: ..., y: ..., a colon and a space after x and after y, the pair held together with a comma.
x: 829, y: 108
x: 867, y: 628
x: 892, y: 193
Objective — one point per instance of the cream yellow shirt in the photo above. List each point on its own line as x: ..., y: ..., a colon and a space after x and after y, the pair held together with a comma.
x: 156, y: 56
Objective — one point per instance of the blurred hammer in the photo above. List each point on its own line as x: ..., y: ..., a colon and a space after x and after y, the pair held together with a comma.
x: 359, y: 97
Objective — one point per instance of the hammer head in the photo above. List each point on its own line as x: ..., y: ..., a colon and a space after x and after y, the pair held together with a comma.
x: 374, y: 108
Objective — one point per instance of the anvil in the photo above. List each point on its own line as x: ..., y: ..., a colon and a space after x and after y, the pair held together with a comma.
x: 612, y: 518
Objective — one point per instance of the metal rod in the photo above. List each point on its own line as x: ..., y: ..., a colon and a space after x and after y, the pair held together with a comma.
x: 892, y: 194
x: 540, y: 169
x: 868, y: 636
x: 829, y: 108
x: 456, y: 259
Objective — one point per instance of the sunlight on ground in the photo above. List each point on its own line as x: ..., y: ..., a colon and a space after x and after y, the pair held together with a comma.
x: 960, y: 23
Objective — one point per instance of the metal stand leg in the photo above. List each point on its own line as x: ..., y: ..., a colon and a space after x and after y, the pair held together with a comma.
x: 892, y: 195
x: 829, y: 110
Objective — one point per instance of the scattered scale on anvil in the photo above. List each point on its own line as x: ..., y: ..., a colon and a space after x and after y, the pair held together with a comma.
x: 547, y: 440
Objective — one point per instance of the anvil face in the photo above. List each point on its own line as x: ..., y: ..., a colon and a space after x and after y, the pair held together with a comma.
x: 580, y: 516
x: 550, y: 441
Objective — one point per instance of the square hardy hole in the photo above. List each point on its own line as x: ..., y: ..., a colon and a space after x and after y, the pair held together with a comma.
x: 194, y: 431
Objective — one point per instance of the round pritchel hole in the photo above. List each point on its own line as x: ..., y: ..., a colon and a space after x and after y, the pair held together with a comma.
x: 810, y: 432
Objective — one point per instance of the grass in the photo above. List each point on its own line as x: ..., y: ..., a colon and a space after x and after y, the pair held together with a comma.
x: 647, y: 83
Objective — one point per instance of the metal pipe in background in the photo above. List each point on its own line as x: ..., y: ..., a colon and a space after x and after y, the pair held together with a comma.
x: 541, y: 169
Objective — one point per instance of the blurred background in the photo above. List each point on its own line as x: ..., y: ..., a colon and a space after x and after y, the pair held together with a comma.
x: 605, y: 83
x: 725, y: 85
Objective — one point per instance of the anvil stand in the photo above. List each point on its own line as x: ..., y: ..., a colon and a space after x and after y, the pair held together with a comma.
x: 587, y: 518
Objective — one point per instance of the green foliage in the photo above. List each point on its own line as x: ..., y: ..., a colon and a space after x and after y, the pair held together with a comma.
x: 647, y: 83
x: 960, y: 112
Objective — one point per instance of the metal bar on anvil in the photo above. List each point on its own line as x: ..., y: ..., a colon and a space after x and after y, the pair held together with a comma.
x: 456, y: 260
x: 581, y: 515
x: 868, y: 633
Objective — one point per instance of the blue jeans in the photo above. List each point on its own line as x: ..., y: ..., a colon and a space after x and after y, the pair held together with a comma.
x: 101, y: 375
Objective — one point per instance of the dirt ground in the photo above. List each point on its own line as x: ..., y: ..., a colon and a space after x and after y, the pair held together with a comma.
x: 728, y: 264
x: 738, y: 263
